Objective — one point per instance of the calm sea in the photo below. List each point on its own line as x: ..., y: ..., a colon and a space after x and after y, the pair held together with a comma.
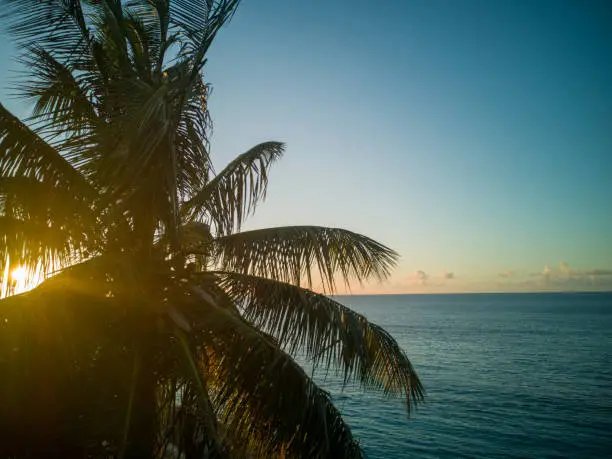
x: 507, y: 376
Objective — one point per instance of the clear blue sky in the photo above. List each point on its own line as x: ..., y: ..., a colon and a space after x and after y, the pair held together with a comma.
x: 474, y: 137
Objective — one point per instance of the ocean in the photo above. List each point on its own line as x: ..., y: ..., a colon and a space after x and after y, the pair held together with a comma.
x: 507, y: 376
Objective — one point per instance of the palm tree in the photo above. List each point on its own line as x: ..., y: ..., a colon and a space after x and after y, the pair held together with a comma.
x: 160, y: 323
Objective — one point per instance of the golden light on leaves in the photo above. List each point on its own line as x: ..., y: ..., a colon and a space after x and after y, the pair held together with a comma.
x: 19, y: 275
x: 19, y: 279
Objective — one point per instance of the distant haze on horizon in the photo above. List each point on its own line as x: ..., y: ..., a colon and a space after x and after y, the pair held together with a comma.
x: 473, y: 137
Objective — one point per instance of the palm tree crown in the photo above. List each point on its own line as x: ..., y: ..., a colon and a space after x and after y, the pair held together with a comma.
x: 162, y: 324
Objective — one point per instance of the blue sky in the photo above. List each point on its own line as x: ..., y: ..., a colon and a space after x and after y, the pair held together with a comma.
x: 473, y: 137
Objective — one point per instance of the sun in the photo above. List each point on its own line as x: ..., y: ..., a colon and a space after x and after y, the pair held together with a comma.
x: 19, y: 275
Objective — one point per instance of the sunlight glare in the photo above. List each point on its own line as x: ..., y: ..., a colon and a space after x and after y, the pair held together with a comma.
x: 19, y: 275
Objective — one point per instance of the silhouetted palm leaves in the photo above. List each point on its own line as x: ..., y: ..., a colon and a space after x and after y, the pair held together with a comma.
x: 162, y: 326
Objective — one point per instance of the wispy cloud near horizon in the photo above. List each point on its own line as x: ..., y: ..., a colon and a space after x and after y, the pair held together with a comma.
x: 552, y: 278
x: 560, y: 278
x: 421, y: 277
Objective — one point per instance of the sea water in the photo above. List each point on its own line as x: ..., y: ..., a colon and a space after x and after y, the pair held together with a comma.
x: 507, y: 376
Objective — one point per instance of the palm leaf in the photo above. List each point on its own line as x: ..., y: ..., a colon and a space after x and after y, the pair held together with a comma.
x: 45, y: 227
x: 84, y: 343
x: 32, y: 199
x: 329, y: 333
x: 64, y: 111
x: 58, y: 95
x: 25, y: 154
x: 92, y: 184
x: 191, y: 137
x: 294, y: 253
x: 231, y: 195
x: 154, y: 15
x: 193, y: 17
x: 34, y: 246
x: 65, y: 339
x: 263, y: 397
x: 200, y: 20
x: 57, y: 24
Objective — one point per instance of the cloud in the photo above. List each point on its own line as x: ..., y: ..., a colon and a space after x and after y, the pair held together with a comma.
x: 565, y: 269
x: 564, y: 278
x: 598, y: 272
x: 448, y: 276
x: 565, y: 272
x: 421, y: 277
x: 507, y: 273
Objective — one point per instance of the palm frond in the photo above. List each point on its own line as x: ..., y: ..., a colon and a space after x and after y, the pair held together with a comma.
x: 45, y: 227
x: 294, y: 253
x: 197, y: 239
x: 200, y: 428
x: 139, y: 345
x: 25, y: 154
x: 154, y: 15
x: 45, y: 203
x: 82, y: 342
x: 265, y: 400
x: 191, y: 130
x: 56, y: 24
x: 143, y: 44
x: 53, y: 335
x: 329, y: 332
x: 193, y: 17
x: 31, y: 199
x: 200, y: 22
x: 62, y: 105
x: 231, y: 195
x: 33, y: 246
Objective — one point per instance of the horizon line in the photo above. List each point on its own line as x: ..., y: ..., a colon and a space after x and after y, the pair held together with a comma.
x: 537, y: 292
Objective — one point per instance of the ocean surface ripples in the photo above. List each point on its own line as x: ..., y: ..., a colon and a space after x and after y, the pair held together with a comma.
x: 507, y: 376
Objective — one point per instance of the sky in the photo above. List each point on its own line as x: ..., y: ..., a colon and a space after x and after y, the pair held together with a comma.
x: 473, y: 137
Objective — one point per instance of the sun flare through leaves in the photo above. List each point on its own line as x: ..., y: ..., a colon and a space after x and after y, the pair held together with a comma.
x: 19, y: 275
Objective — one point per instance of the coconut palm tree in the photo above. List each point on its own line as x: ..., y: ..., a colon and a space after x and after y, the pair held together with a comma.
x: 159, y: 323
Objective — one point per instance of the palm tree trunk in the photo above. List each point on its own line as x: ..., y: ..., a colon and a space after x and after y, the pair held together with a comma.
x: 141, y: 425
